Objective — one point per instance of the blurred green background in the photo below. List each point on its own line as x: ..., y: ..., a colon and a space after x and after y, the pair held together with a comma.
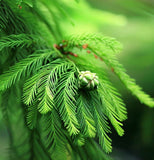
x: 137, y: 37
x: 132, y: 23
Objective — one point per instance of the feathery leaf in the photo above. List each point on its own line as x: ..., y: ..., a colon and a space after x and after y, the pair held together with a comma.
x: 32, y: 116
x: 105, y: 48
x: 128, y: 81
x: 30, y: 89
x: 84, y: 116
x: 65, y: 101
x: 45, y: 94
x: 20, y: 40
x: 53, y: 135
x: 23, y: 68
x: 101, y: 122
x: 108, y: 105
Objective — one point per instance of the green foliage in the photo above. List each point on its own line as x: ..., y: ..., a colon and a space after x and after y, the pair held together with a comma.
x: 30, y: 89
x: 101, y: 123
x: 32, y: 116
x: 84, y: 116
x: 58, y: 118
x: 65, y: 101
x: 114, y: 113
x: 53, y: 135
x: 106, y: 52
x: 20, y: 40
x: 130, y: 83
x: 23, y: 68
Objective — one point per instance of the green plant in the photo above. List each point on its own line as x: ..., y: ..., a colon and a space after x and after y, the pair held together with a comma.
x: 50, y: 113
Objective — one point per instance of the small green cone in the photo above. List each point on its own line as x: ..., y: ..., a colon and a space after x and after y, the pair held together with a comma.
x: 84, y: 81
x: 92, y: 84
x: 88, y: 80
x: 96, y: 82
x: 88, y: 75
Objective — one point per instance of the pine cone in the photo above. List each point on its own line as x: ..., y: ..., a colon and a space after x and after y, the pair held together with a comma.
x: 88, y: 80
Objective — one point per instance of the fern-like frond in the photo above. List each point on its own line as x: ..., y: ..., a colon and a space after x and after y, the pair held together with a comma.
x: 113, y: 104
x: 85, y: 118
x: 79, y: 139
x: 89, y: 151
x: 53, y: 135
x: 95, y: 42
x: 37, y: 149
x: 105, y: 48
x: 108, y: 105
x: 20, y: 40
x: 65, y: 100
x: 127, y: 80
x: 32, y: 115
x: 22, y: 69
x: 115, y: 98
x: 30, y: 89
x: 102, y: 126
x: 43, y: 84
x: 92, y: 148
x: 45, y: 93
x: 11, y: 21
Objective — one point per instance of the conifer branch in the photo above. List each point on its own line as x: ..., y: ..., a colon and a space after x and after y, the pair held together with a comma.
x: 45, y: 94
x: 128, y: 81
x: 32, y: 116
x: 101, y: 123
x: 19, y: 40
x: 22, y: 69
x: 65, y: 101
x: 110, y: 112
x: 30, y: 90
x: 85, y: 117
x: 38, y: 151
x: 106, y: 48
x: 69, y: 97
x: 53, y: 135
